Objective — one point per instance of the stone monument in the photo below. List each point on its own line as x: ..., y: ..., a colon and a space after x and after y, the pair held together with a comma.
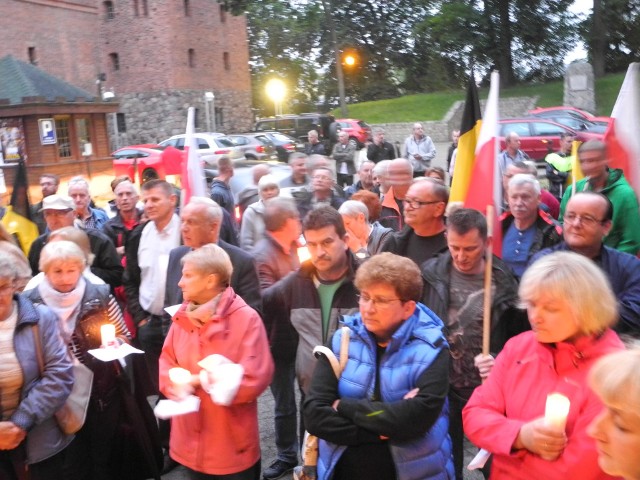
x: 579, y: 87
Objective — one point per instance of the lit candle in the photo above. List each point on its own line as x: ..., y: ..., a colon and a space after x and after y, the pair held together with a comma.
x: 108, y: 335
x: 303, y: 254
x: 181, y: 378
x: 556, y: 411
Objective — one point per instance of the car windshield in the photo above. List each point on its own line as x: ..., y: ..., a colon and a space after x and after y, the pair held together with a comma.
x: 224, y: 142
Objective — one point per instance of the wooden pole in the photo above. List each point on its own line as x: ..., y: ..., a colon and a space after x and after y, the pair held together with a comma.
x: 486, y: 320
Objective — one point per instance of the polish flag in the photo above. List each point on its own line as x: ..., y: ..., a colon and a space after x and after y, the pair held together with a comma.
x: 485, y: 187
x: 193, y: 182
x: 621, y: 137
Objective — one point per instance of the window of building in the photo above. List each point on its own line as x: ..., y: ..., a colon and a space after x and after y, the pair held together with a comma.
x: 187, y: 8
x: 109, y: 11
x: 192, y: 57
x: 115, y: 61
x: 225, y: 60
x: 64, y: 137
x: 219, y: 116
x: 196, y: 118
x: 83, y: 133
x: 121, y: 122
x: 140, y: 8
x: 32, y: 56
x: 223, y: 13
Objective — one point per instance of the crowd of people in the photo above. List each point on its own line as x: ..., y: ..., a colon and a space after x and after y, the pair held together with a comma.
x: 383, y: 271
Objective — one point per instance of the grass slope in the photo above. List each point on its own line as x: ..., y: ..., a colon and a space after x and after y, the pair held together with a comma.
x: 433, y: 106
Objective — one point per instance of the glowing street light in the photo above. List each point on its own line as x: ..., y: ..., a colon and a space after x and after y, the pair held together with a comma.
x: 276, y: 91
x: 349, y: 60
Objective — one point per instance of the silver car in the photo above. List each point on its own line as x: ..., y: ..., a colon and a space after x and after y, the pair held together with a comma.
x: 211, y: 146
x: 256, y: 146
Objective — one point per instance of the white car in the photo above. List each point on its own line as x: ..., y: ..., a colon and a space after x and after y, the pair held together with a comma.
x: 211, y: 146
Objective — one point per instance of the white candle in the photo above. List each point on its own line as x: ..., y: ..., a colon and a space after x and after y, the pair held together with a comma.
x: 181, y: 378
x: 556, y: 411
x: 108, y: 335
x: 303, y: 254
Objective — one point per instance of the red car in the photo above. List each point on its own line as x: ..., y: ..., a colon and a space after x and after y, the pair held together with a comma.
x: 557, y: 113
x: 146, y: 162
x: 359, y: 131
x: 540, y: 136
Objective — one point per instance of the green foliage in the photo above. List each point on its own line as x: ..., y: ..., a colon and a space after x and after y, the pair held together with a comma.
x: 433, y: 106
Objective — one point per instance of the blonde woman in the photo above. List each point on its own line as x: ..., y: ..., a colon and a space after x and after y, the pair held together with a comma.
x: 616, y: 381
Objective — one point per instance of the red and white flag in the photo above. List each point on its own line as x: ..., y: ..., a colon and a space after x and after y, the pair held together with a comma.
x: 193, y: 181
x: 485, y: 187
x: 621, y: 137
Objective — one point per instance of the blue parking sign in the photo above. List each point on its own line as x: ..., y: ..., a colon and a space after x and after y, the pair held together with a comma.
x: 47, y: 128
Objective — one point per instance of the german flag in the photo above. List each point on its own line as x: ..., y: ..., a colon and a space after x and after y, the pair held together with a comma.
x: 17, y: 219
x: 469, y: 134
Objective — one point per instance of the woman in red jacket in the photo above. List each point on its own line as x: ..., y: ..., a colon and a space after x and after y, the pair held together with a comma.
x: 221, y: 440
x: 570, y: 307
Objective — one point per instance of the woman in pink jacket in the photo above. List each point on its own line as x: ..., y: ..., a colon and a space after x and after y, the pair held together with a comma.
x: 570, y: 307
x: 221, y: 440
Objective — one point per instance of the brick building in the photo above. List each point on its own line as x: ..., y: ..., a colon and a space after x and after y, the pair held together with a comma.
x: 157, y: 57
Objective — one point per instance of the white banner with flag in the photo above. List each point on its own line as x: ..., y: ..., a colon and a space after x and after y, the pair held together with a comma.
x: 193, y: 180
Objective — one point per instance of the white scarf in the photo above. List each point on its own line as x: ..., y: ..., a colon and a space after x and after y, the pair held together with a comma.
x: 64, y: 305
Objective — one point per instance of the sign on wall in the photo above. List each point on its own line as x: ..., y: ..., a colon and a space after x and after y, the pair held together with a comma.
x: 12, y: 139
x: 47, y: 128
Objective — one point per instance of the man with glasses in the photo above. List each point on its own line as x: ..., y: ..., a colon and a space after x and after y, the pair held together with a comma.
x: 587, y: 221
x: 423, y: 235
x: 302, y: 311
x: 454, y: 290
x: 624, y: 234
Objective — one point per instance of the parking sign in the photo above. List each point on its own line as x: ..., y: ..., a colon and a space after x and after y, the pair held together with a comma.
x: 47, y: 131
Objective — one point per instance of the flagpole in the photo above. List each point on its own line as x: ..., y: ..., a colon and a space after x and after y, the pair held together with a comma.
x: 488, y: 268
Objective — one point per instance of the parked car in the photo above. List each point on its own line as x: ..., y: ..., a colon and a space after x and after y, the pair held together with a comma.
x: 211, y: 146
x: 255, y: 146
x: 573, y: 118
x: 284, y: 144
x: 298, y: 126
x: 539, y: 136
x: 147, y: 162
x: 359, y: 131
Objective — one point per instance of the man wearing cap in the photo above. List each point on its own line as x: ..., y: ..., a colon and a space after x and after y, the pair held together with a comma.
x: 59, y: 212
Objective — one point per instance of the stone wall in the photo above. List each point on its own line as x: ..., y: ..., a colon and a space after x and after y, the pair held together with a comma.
x: 579, y: 87
x: 153, y: 117
x: 440, y: 131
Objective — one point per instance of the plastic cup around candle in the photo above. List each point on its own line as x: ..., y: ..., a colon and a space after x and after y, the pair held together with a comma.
x: 181, y: 378
x: 108, y: 335
x: 556, y: 411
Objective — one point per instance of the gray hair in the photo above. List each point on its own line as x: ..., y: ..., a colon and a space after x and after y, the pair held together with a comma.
x: 377, y: 130
x: 78, y: 181
x: 8, y: 268
x: 381, y: 168
x: 211, y: 259
x: 213, y: 210
x: 520, y: 179
x: 351, y: 208
x: 297, y: 155
x: 61, y: 251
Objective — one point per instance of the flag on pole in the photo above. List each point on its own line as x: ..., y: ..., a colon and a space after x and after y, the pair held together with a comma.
x: 485, y: 186
x: 466, y: 151
x: 621, y: 137
x: 193, y: 182
x: 17, y: 218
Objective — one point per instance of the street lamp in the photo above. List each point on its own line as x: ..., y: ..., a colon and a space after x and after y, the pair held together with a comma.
x: 210, y: 106
x: 276, y: 91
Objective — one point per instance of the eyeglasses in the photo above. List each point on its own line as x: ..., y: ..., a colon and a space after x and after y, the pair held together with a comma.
x: 586, y: 220
x: 417, y: 203
x: 363, y: 299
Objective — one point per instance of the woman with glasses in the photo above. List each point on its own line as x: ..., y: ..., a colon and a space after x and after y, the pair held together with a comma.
x: 571, y: 308
x: 386, y: 416
x: 30, y: 441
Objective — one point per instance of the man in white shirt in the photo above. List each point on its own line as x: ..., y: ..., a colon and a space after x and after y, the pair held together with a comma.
x: 146, y: 273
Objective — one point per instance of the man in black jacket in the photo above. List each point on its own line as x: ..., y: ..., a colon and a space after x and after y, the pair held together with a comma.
x: 200, y: 222
x: 302, y: 311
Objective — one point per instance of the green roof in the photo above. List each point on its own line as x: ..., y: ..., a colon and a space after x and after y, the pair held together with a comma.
x: 19, y: 79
